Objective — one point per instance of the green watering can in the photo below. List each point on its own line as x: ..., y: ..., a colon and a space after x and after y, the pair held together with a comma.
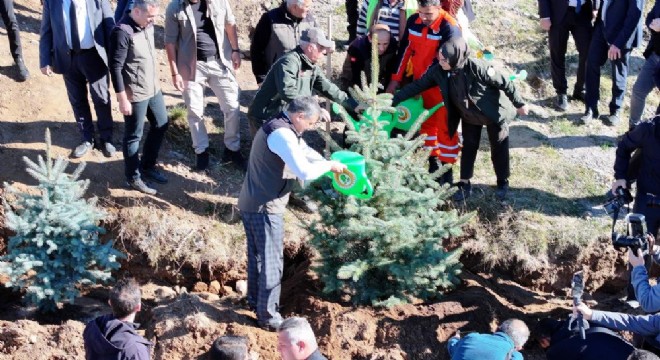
x: 407, y: 112
x: 353, y: 181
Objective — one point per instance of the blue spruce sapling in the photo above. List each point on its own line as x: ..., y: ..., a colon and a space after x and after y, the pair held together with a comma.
x: 56, y: 248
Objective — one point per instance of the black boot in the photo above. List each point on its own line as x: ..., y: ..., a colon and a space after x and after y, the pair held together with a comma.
x: 23, y: 73
x: 434, y: 164
x: 447, y: 178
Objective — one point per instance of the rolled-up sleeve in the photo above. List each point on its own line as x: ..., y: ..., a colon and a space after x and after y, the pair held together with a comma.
x: 230, y: 19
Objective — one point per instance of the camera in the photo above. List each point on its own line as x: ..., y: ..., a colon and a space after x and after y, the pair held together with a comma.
x: 635, y: 237
x: 616, y: 201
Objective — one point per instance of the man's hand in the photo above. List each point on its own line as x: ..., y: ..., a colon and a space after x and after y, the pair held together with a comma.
x: 46, y: 70
x: 391, y: 88
x: 651, y: 240
x: 325, y: 115
x: 457, y: 335
x: 617, y: 184
x: 613, y: 53
x: 236, y: 59
x: 582, y: 308
x: 545, y: 24
x: 522, y: 110
x: 337, y: 167
x: 635, y: 259
x: 177, y: 81
x: 125, y: 107
x: 655, y: 25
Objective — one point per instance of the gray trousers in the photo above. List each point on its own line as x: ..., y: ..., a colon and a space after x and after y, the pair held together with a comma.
x: 265, y: 248
x: 225, y: 87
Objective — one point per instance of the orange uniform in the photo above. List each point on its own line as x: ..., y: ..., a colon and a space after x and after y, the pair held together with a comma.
x: 419, y: 45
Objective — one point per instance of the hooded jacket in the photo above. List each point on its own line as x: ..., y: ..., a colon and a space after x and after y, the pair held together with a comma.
x: 491, y: 93
x: 107, y: 338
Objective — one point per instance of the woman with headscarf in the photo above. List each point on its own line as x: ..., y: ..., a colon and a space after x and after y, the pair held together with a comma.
x: 481, y: 96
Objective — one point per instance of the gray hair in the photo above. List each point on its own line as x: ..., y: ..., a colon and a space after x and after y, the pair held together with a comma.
x: 517, y: 330
x: 295, y: 2
x: 304, y: 104
x: 298, y: 329
x: 144, y: 4
x: 426, y: 3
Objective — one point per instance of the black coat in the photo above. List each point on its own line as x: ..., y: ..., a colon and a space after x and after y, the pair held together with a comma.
x: 491, y: 91
x: 107, y: 338
x: 645, y: 136
x: 568, y: 345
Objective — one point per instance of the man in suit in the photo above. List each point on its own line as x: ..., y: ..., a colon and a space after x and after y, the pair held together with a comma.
x: 559, y: 19
x: 617, y: 31
x: 74, y: 36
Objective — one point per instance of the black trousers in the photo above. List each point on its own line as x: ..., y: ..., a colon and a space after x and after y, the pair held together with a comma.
x: 9, y: 18
x: 499, y: 151
x: 87, y: 68
x: 596, y: 59
x: 578, y: 25
x: 352, y: 18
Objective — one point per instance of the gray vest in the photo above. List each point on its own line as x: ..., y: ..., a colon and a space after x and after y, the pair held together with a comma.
x: 265, y: 188
x: 284, y: 37
x: 139, y: 72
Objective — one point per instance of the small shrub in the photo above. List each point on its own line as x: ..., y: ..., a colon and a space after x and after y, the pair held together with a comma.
x: 56, y: 247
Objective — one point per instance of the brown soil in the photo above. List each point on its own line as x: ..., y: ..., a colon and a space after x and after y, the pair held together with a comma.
x: 184, y: 325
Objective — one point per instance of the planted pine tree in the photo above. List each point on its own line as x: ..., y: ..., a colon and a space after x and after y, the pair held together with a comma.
x: 386, y: 249
x: 56, y: 248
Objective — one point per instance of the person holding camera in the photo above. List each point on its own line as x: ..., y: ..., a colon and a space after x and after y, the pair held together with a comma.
x: 648, y: 296
x: 646, y: 137
x: 647, y: 326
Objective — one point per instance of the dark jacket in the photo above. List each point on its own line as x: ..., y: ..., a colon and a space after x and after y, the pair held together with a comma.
x: 600, y: 343
x: 133, y: 60
x: 645, y: 136
x: 654, y: 43
x: 359, y: 60
x: 623, y: 22
x: 490, y: 91
x: 556, y: 10
x: 277, y: 32
x: 267, y: 186
x: 107, y: 338
x: 291, y: 76
x: 54, y: 50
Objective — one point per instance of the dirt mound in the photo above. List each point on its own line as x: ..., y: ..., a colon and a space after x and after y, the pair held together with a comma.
x: 26, y: 339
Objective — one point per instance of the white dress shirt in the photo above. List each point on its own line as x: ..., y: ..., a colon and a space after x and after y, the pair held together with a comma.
x: 83, y: 24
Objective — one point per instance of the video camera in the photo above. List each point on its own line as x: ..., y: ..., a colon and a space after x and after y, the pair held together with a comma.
x: 616, y: 201
x: 635, y: 237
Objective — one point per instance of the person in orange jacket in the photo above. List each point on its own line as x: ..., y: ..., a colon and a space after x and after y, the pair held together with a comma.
x: 425, y: 32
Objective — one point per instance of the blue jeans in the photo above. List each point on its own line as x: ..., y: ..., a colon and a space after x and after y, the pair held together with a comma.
x: 643, y: 86
x: 153, y: 109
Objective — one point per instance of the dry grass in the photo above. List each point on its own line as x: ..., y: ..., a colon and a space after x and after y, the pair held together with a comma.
x: 177, y: 237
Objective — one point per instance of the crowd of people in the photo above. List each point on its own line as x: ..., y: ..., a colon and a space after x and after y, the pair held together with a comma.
x: 423, y: 49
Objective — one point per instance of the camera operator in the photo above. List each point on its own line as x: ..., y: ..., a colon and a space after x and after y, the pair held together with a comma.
x: 647, y: 295
x: 646, y: 137
x: 647, y: 326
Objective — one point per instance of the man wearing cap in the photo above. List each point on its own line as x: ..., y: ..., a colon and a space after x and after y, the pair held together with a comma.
x: 278, y: 159
x: 296, y: 74
x: 202, y: 49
